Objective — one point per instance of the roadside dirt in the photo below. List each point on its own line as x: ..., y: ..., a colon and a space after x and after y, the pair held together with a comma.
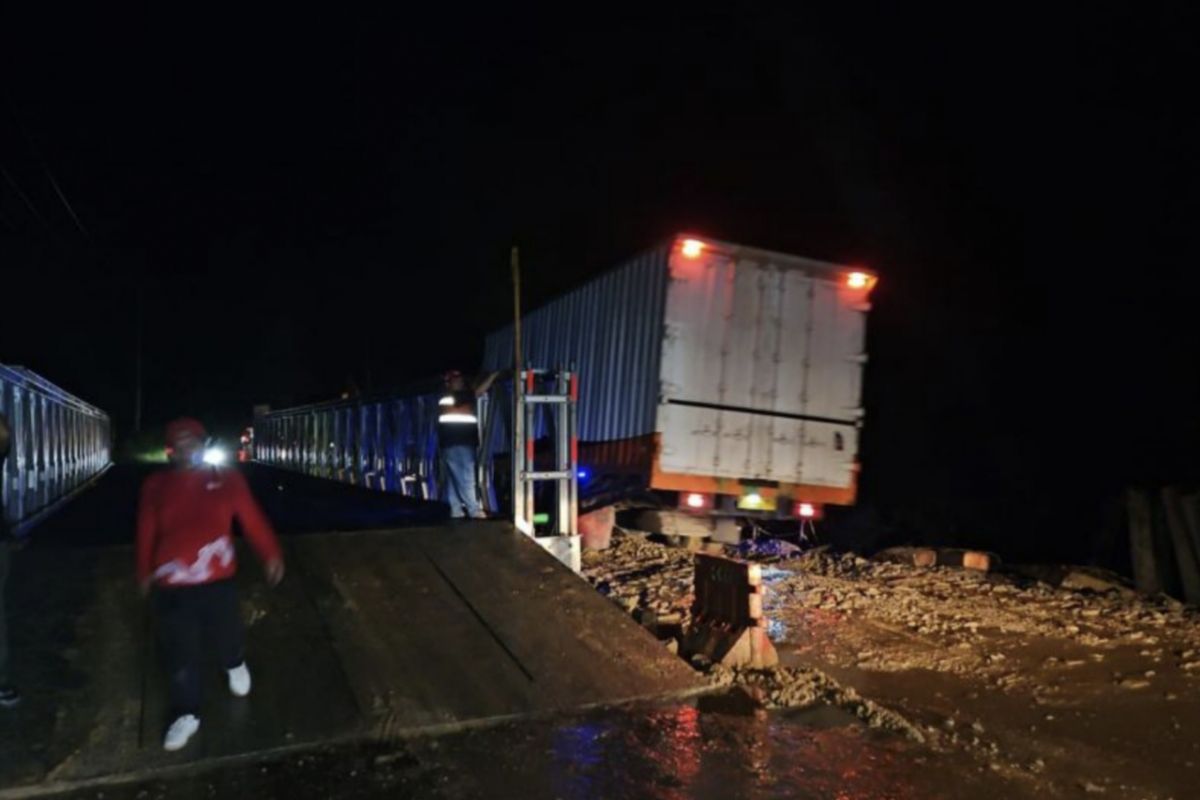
x: 1065, y: 691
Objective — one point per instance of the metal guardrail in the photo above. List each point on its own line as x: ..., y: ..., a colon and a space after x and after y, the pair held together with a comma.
x: 58, y: 443
x: 388, y: 444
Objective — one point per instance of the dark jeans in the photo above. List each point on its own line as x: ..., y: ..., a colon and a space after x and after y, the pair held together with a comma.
x: 193, y: 622
x: 461, y: 491
x: 4, y: 554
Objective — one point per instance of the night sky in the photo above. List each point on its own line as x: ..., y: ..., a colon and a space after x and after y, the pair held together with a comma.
x: 310, y: 205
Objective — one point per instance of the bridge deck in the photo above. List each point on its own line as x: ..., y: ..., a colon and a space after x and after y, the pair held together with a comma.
x: 372, y: 633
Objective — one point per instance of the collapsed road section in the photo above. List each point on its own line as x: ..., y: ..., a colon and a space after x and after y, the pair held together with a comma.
x: 1064, y: 680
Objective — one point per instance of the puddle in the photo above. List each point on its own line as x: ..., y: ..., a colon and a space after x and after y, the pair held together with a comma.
x: 720, y: 746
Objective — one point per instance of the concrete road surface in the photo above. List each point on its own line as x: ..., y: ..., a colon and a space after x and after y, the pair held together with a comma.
x: 372, y: 634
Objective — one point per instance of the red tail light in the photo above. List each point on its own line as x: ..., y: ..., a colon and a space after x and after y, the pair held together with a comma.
x: 695, y: 501
x: 808, y: 511
x: 692, y: 248
x: 861, y: 281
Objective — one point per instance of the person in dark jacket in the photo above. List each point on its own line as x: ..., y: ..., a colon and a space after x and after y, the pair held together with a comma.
x: 9, y: 696
x: 458, y: 441
x: 185, y: 555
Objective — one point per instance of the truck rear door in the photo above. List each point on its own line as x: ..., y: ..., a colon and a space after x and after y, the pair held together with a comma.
x: 761, y: 369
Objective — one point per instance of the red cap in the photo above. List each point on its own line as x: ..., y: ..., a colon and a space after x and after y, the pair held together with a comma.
x: 182, y: 428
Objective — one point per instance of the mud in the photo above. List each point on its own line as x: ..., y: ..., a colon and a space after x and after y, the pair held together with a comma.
x: 640, y: 574
x: 800, y: 687
x: 1078, y: 688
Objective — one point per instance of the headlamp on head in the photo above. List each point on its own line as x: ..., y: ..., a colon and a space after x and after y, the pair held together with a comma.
x: 214, y: 454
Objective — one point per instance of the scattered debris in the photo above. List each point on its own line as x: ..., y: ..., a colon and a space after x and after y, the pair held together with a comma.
x: 912, y: 556
x: 1048, y: 638
x: 794, y: 687
x: 959, y: 608
x: 641, y: 574
x: 767, y: 550
x: 963, y: 609
x: 1095, y: 580
x: 938, y: 557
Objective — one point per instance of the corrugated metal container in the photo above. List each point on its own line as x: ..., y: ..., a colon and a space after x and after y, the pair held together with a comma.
x: 611, y: 331
x: 58, y: 442
x: 741, y: 363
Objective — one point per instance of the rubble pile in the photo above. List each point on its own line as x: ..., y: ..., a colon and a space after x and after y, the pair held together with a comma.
x: 641, y: 575
x: 1020, y: 670
x: 939, y: 618
x: 958, y: 607
x: 802, y: 687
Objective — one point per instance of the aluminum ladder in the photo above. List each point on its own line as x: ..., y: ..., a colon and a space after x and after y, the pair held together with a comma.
x: 557, y: 393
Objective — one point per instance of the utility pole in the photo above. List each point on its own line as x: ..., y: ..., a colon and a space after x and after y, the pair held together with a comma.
x: 367, y: 359
x: 516, y: 279
x: 137, y: 397
x: 519, y: 505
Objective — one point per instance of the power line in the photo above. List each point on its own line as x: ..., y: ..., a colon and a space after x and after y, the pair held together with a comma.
x: 67, y: 205
x: 12, y: 109
x: 25, y: 199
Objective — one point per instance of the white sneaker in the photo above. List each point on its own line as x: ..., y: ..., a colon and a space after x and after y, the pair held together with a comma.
x: 181, y: 730
x: 239, y: 680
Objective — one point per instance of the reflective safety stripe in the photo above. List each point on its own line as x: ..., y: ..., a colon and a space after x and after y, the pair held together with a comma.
x: 458, y: 408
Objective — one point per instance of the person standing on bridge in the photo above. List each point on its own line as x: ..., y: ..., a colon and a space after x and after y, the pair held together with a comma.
x: 185, y: 554
x: 9, y: 696
x: 458, y: 442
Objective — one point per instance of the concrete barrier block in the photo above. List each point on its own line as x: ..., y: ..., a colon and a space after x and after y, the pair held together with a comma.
x: 596, y: 528
x: 728, y: 625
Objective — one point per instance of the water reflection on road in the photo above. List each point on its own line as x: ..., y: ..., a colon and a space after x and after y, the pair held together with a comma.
x: 723, y: 747
x: 717, y: 747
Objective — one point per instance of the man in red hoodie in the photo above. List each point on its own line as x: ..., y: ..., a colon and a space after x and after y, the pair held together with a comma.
x: 185, y: 554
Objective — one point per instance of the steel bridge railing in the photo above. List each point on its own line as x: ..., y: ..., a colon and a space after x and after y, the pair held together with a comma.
x: 57, y: 444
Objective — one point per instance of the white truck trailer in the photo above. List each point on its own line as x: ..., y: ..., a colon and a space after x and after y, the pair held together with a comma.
x: 726, y: 378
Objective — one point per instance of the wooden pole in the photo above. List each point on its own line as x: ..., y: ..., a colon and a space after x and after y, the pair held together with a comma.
x: 1191, y: 513
x: 518, y: 412
x: 137, y: 346
x: 1181, y: 540
x: 1141, y: 542
x: 515, y: 261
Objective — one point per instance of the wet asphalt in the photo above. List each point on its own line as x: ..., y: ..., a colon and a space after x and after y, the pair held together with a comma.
x: 711, y: 747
